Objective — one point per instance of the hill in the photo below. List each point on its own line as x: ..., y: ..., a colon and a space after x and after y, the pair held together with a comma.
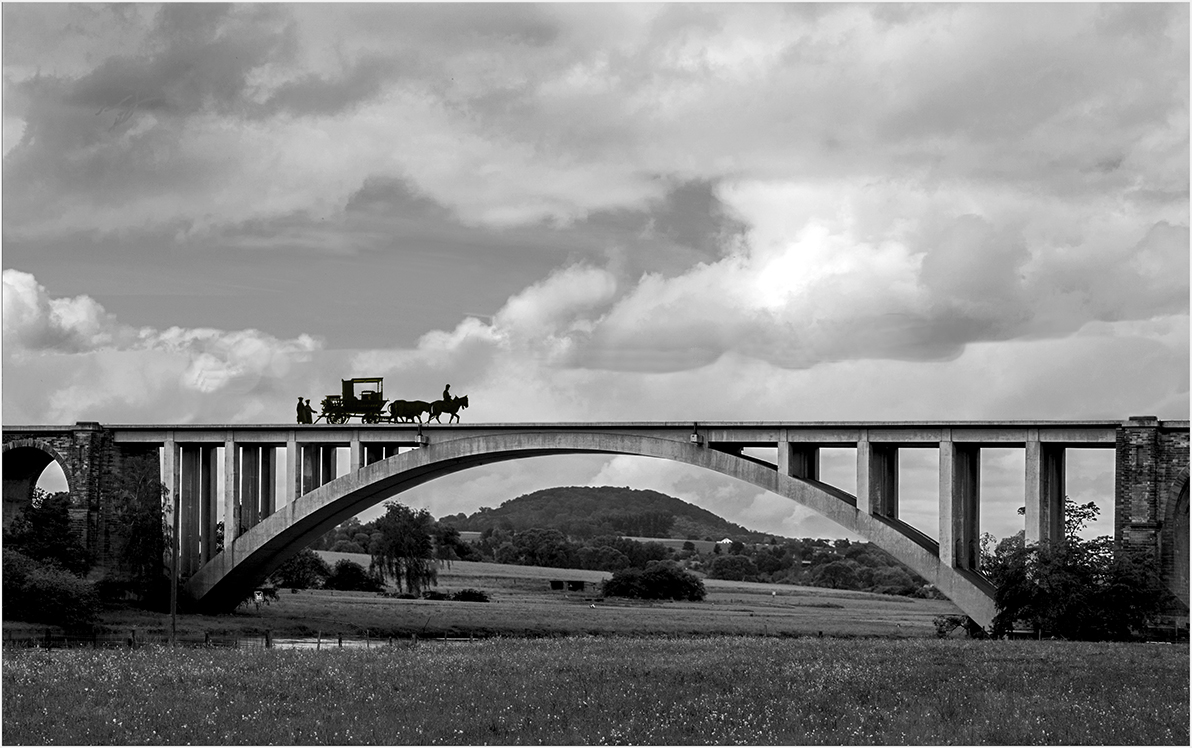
x: 586, y: 511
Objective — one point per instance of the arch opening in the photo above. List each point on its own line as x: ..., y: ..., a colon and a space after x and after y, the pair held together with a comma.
x: 27, y: 466
x: 256, y: 554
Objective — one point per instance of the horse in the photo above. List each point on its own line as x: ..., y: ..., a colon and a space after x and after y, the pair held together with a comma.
x: 408, y: 410
x: 439, y: 407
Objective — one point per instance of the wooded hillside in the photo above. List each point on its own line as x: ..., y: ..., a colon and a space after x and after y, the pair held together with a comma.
x: 586, y: 511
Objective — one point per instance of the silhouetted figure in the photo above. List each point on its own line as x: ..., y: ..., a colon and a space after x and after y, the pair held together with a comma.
x: 447, y: 394
x: 310, y: 412
x: 303, y: 412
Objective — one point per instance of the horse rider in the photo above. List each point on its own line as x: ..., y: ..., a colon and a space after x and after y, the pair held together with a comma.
x: 447, y: 394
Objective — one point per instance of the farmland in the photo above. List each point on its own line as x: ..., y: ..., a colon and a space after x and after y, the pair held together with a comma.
x: 522, y: 604
x: 599, y: 690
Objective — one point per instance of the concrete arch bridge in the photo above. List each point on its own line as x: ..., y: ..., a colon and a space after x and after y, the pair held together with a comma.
x: 274, y: 514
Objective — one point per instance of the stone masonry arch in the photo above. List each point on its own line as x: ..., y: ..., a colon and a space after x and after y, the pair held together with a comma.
x: 24, y: 461
x: 232, y: 574
x: 1173, y: 539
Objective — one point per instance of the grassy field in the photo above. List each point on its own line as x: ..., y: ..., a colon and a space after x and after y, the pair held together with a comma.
x: 522, y: 604
x: 598, y: 690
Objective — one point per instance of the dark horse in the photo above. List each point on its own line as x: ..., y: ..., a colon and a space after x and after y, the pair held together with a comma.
x: 439, y: 407
x: 408, y: 410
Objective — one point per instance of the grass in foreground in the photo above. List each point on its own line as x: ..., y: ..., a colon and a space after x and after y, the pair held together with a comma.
x: 607, y: 691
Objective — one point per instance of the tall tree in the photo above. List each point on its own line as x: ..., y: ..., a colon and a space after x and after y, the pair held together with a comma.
x: 1074, y: 588
x: 43, y: 532
x: 405, y: 552
x: 137, y: 504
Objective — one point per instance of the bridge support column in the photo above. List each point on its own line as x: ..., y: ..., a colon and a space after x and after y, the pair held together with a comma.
x: 197, y: 505
x: 960, y: 516
x: 294, y: 469
x: 373, y: 453
x: 210, y: 501
x: 268, y: 479
x: 231, y: 492
x: 311, y: 468
x: 328, y: 458
x: 1045, y: 479
x: 798, y: 460
x: 877, y: 478
x: 250, y: 487
x: 355, y: 454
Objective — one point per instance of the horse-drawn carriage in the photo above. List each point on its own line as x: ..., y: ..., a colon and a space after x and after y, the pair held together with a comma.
x: 369, y: 405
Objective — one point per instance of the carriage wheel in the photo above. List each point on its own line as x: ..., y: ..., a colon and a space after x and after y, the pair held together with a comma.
x: 337, y: 418
x: 370, y: 418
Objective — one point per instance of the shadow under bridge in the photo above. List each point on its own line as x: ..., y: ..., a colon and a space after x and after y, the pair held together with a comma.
x: 232, y: 574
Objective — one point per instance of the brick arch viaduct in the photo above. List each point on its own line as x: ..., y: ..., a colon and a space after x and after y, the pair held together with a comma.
x: 279, y: 484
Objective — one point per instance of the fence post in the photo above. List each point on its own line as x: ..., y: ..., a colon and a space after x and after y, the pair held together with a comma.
x: 48, y: 639
x: 206, y: 638
x: 268, y: 639
x: 367, y: 640
x: 341, y: 641
x: 319, y: 643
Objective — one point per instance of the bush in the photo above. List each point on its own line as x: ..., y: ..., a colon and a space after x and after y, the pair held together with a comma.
x: 434, y: 595
x: 305, y: 570
x: 45, y: 593
x: 737, y: 568
x: 660, y: 580
x: 349, y: 575
x: 470, y: 596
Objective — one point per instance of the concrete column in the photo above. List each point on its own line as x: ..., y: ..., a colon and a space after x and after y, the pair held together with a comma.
x: 798, y: 460
x: 355, y: 454
x: 171, y: 467
x: 960, y: 482
x: 293, y: 470
x: 373, y: 453
x: 231, y: 491
x: 311, y: 467
x: 210, y: 497
x: 877, y: 478
x: 250, y: 486
x: 1045, y: 486
x: 189, y: 532
x: 268, y: 471
x: 327, y: 464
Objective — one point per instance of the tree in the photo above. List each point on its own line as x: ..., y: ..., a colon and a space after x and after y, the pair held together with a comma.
x: 43, y: 532
x: 137, y: 504
x: 405, y: 551
x: 349, y: 575
x: 305, y: 570
x: 1074, y: 588
x: 737, y: 568
x: 660, y: 580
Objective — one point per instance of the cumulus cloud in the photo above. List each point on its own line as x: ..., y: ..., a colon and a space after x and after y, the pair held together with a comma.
x: 67, y: 358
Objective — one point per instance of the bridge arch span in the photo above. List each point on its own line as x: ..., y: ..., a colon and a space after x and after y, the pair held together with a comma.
x: 23, y: 463
x: 231, y: 575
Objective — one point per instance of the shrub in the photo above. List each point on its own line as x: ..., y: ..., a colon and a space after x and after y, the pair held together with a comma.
x: 470, y: 596
x: 305, y: 570
x: 45, y: 593
x: 349, y: 575
x: 660, y: 580
x: 434, y: 595
x: 737, y: 568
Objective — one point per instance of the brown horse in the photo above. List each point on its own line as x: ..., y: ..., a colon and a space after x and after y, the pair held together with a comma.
x: 438, y: 407
x: 408, y: 410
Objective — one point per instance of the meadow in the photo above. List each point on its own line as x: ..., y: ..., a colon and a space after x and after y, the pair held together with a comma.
x: 522, y: 604
x: 606, y: 690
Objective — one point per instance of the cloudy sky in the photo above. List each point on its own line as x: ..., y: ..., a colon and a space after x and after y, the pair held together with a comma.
x: 602, y: 212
